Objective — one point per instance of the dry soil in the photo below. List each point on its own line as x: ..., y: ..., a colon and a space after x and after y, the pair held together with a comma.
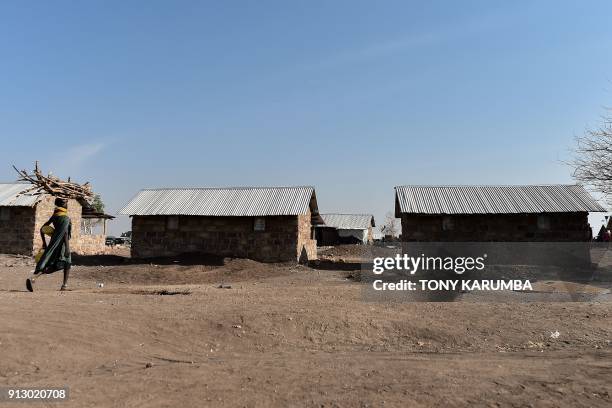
x: 159, y: 335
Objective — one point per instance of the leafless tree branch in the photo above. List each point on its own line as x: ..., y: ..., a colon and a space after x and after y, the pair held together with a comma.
x: 592, y: 161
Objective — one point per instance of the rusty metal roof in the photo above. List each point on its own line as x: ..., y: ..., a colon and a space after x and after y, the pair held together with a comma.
x: 229, y: 201
x: 10, y: 195
x: 349, y: 221
x: 494, y: 199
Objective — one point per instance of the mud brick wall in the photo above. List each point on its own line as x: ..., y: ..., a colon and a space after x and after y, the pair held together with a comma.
x: 307, y: 246
x: 154, y: 236
x: 44, y: 211
x: 17, y: 230
x: 560, y: 227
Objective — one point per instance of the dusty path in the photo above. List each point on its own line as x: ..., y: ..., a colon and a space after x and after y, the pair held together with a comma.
x: 292, y: 337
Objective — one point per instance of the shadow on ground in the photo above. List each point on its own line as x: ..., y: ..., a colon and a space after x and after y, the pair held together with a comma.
x: 117, y: 260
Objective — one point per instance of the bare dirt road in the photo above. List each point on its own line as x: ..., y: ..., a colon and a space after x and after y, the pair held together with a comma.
x: 285, y: 335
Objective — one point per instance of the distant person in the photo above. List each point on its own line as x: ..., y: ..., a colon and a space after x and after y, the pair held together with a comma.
x: 56, y: 255
x: 607, y: 236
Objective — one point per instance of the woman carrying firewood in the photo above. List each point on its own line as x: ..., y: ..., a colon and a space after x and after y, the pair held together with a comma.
x: 56, y: 255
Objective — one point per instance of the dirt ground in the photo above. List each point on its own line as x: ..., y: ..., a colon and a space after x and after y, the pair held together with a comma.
x: 345, y: 253
x: 240, y: 333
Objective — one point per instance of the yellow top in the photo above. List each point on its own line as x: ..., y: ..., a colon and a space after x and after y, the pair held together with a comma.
x: 60, y: 211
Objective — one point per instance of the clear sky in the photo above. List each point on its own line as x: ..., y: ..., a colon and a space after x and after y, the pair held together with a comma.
x: 353, y: 97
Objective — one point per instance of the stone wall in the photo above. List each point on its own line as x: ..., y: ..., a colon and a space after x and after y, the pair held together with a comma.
x: 551, y: 227
x: 16, y: 230
x: 158, y: 236
x: 89, y: 245
x: 307, y: 246
x: 20, y: 232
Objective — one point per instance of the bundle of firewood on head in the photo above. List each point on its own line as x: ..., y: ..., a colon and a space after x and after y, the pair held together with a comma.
x: 50, y: 184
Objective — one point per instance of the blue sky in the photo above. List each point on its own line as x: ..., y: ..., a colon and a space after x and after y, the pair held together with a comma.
x: 352, y: 97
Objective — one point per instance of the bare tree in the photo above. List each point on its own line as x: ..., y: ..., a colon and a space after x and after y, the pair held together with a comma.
x: 592, y: 160
x: 390, y: 227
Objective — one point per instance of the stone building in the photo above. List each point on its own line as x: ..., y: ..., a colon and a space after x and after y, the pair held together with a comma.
x: 345, y: 229
x: 22, y: 216
x: 553, y: 213
x: 262, y: 223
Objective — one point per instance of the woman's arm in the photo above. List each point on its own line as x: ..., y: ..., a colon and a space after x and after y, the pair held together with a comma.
x: 42, y: 235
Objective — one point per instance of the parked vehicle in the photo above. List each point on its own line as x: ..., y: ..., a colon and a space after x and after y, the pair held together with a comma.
x: 126, y: 238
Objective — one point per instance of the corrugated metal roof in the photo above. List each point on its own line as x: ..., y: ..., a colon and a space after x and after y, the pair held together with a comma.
x: 10, y: 195
x: 494, y: 199
x: 231, y: 201
x: 348, y: 221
